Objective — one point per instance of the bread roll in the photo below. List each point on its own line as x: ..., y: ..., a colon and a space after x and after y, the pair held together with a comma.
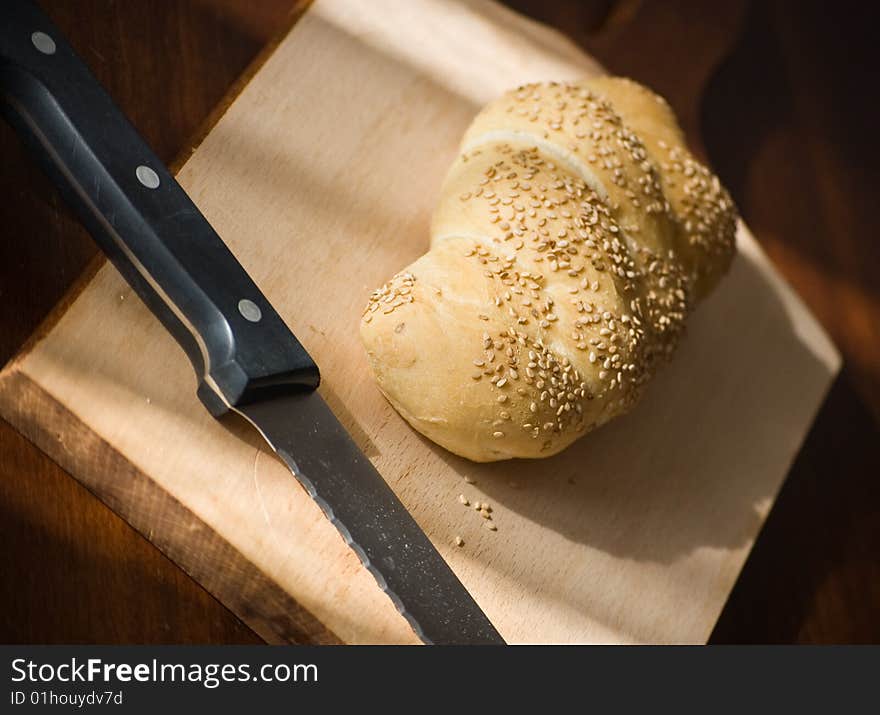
x: 573, y: 235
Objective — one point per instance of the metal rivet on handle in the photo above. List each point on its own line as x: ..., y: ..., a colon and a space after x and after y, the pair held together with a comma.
x: 147, y: 176
x: 43, y: 43
x: 250, y: 310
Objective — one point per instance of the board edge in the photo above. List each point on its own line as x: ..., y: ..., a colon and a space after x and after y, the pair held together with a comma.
x: 273, y: 615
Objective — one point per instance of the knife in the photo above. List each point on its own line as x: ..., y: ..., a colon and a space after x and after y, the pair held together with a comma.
x: 247, y: 361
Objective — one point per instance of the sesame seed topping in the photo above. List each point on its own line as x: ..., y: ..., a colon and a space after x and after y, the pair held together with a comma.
x: 552, y: 222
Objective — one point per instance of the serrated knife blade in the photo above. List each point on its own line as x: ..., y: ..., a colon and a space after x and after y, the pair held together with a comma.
x: 246, y: 358
x: 358, y: 501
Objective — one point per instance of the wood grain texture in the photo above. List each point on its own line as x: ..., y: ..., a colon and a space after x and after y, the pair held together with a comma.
x: 592, y: 549
x: 168, y: 523
x: 808, y: 129
x: 813, y: 575
x: 782, y: 112
x: 72, y: 570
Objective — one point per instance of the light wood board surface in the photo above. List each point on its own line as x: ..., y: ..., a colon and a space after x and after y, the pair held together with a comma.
x: 321, y: 178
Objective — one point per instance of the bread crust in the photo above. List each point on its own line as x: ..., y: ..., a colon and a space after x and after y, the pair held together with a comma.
x: 573, y: 235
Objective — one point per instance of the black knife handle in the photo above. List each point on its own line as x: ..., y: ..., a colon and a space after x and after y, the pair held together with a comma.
x: 143, y: 220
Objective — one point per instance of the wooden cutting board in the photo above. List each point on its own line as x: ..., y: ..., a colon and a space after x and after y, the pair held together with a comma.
x: 321, y: 177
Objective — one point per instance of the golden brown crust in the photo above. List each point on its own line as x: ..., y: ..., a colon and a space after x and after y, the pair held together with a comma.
x: 703, y: 209
x: 560, y: 274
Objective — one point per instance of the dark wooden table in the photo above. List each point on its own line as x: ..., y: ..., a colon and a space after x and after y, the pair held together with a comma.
x: 781, y: 98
